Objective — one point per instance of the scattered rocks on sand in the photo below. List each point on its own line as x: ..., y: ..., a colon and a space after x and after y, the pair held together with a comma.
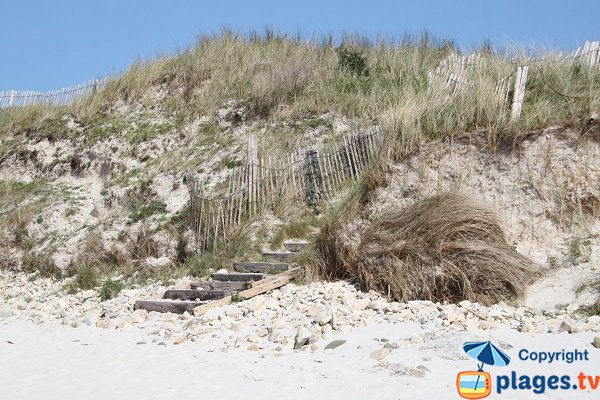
x: 292, y: 317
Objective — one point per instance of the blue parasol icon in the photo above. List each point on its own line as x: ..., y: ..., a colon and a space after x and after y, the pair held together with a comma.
x: 487, y: 353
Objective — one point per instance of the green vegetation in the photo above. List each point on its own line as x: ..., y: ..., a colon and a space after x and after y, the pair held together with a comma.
x: 236, y: 298
x: 41, y: 264
x: 579, y: 247
x: 110, y: 289
x: 352, y: 60
x: 296, y: 229
x: 140, y: 212
x: 85, y: 278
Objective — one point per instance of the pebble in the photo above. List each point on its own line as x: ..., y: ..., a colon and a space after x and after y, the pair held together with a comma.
x: 380, y: 354
x: 302, y: 338
x: 290, y: 317
x: 335, y: 344
x: 596, y: 342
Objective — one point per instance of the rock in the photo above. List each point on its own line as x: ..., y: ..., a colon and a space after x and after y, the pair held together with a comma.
x: 527, y: 327
x: 376, y: 305
x: 335, y: 344
x: 456, y: 317
x: 302, y: 337
x: 565, y: 327
x: 323, y: 319
x: 465, y: 304
x: 103, y: 323
x: 571, y: 308
x: 180, y: 340
x: 157, y: 263
x: 21, y: 305
x: 380, y: 354
x: 596, y: 342
x: 253, y: 347
x: 138, y: 316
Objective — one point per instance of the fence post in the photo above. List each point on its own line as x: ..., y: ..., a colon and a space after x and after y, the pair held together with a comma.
x: 314, y: 179
x: 11, y: 99
x: 519, y: 93
x: 252, y: 172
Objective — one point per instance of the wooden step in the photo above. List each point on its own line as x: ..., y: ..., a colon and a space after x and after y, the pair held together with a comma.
x: 195, y: 294
x: 261, y: 267
x: 295, y: 246
x: 259, y: 287
x: 279, y: 255
x: 215, y: 285
x: 172, y: 306
x: 237, y: 277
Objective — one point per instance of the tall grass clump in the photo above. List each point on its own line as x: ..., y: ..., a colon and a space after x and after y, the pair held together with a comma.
x: 445, y: 248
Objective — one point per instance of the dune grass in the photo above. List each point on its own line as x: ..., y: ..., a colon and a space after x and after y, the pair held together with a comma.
x: 445, y: 248
x: 386, y: 82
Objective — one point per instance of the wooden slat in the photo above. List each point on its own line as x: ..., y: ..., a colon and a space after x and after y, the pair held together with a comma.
x: 519, y: 92
x: 215, y: 285
x: 194, y: 294
x: 278, y: 255
x: 259, y: 288
x: 237, y: 277
x: 260, y: 267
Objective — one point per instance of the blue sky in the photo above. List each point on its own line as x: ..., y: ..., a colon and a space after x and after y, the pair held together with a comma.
x: 47, y: 44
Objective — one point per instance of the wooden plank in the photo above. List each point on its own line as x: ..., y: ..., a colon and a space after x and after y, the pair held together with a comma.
x: 253, y: 173
x: 278, y: 255
x: 177, y: 307
x: 259, y: 288
x: 194, y: 294
x: 260, y: 267
x: 519, y: 92
x: 347, y: 151
x: 295, y: 245
x: 237, y: 277
x: 215, y: 285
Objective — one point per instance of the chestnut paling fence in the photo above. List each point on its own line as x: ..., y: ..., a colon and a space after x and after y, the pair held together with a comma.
x: 450, y: 72
x: 60, y: 97
x: 307, y: 175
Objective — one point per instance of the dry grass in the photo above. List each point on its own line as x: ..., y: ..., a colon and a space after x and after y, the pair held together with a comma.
x: 277, y: 77
x: 448, y: 247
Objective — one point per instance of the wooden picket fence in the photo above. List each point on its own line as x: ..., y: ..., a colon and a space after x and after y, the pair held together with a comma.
x: 61, y: 97
x: 589, y: 54
x: 451, y: 75
x: 308, y: 175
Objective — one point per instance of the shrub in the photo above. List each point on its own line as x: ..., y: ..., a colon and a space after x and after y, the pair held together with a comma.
x: 110, y: 289
x: 85, y: 278
x: 352, y: 61
x: 40, y: 263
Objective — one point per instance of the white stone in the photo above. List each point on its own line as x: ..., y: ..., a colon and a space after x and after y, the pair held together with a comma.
x: 302, y: 337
